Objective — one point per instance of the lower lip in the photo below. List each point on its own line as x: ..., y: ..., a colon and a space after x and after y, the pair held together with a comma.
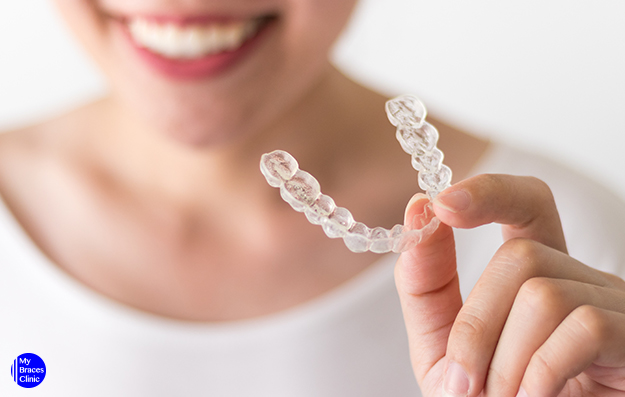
x: 198, y: 68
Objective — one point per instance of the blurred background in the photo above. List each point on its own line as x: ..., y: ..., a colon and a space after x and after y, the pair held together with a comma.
x: 548, y: 76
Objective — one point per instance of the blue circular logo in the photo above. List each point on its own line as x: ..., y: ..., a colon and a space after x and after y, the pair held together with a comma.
x: 28, y: 370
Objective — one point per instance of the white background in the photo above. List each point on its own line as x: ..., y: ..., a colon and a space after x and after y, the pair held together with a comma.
x: 548, y: 75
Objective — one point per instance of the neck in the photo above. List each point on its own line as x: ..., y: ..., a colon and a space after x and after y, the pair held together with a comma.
x: 325, y: 121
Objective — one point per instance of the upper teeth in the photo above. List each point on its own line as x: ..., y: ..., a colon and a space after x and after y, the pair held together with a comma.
x: 190, y: 41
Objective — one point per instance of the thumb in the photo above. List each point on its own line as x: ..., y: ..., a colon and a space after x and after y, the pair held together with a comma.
x: 427, y: 283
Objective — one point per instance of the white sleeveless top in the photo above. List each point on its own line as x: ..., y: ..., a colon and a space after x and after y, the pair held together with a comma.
x: 350, y: 341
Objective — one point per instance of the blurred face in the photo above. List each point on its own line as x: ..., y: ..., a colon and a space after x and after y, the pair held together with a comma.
x: 205, y: 71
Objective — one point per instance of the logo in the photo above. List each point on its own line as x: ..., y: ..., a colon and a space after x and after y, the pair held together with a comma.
x: 28, y: 370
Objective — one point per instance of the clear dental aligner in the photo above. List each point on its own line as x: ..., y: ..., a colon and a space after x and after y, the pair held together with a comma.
x: 417, y: 137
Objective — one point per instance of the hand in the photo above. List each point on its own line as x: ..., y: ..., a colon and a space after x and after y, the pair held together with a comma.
x: 537, y: 322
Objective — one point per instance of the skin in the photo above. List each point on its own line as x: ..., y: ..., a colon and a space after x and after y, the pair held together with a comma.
x: 168, y: 170
x: 153, y: 197
x: 579, y: 347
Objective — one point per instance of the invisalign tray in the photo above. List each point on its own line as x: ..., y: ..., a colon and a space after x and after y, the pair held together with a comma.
x: 417, y: 137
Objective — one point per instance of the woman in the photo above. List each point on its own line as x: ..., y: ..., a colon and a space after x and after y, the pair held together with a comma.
x: 151, y: 198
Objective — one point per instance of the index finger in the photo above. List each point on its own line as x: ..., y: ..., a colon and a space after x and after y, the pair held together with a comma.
x: 524, y: 206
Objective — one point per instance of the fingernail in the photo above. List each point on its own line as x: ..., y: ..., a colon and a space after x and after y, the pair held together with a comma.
x: 415, y: 198
x: 456, y: 382
x: 455, y: 201
x: 521, y: 393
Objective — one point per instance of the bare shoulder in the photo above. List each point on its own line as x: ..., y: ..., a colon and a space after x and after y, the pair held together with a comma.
x: 36, y: 165
x: 33, y: 141
x: 20, y: 151
x: 14, y: 142
x: 28, y: 152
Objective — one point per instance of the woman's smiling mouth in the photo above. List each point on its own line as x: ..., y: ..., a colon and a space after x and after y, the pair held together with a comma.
x: 192, y: 40
x: 193, y: 47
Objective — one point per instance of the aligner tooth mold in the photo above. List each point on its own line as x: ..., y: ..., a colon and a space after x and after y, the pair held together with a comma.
x: 417, y: 137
